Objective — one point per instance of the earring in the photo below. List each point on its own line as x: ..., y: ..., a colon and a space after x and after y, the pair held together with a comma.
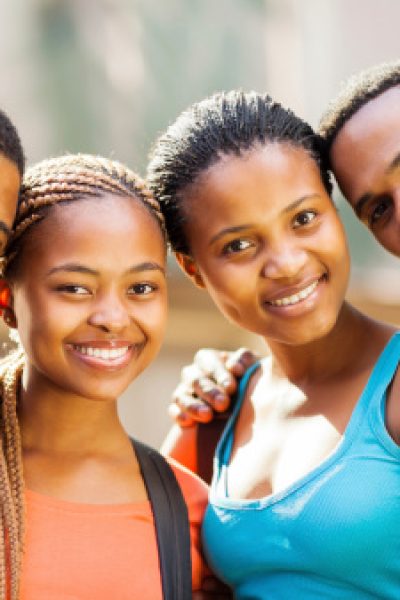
x: 5, y: 298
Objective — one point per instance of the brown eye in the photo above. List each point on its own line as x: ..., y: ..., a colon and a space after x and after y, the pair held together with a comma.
x: 379, y: 210
x: 76, y: 290
x: 236, y: 246
x: 304, y: 218
x: 142, y: 289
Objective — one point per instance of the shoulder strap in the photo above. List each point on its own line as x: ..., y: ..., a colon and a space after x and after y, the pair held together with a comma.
x: 171, y: 522
x: 209, y: 434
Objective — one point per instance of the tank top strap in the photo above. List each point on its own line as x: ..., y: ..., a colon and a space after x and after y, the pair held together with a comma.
x: 224, y: 446
x: 384, y: 370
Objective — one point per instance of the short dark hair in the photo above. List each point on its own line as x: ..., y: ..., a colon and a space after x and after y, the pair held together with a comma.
x: 225, y: 123
x: 355, y: 93
x: 10, y: 143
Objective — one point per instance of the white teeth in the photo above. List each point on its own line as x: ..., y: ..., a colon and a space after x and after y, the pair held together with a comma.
x: 104, y: 353
x: 295, y: 298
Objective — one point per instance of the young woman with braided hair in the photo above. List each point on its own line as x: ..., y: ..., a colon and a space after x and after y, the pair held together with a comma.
x: 312, y: 446
x: 85, y: 276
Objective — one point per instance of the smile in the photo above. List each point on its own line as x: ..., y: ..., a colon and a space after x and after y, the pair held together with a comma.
x: 103, y: 353
x: 295, y: 298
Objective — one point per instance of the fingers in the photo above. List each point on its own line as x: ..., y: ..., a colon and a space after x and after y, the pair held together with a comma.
x: 181, y: 418
x: 214, y: 390
x: 208, y: 384
x: 212, y: 364
x: 239, y: 361
x: 215, y: 396
x: 188, y: 408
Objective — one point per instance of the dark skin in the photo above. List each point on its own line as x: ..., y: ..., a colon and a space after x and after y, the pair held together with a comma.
x: 294, y: 243
x: 75, y: 447
x: 110, y: 297
x: 372, y: 189
x: 10, y: 181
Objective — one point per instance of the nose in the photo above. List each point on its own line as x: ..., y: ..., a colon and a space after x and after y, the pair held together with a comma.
x: 284, y: 261
x: 110, y: 314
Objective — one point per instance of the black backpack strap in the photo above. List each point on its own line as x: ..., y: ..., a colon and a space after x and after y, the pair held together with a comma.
x: 171, y: 522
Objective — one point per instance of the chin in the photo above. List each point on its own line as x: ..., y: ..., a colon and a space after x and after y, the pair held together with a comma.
x: 301, y: 336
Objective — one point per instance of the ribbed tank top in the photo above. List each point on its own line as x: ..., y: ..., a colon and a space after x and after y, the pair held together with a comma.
x: 332, y: 534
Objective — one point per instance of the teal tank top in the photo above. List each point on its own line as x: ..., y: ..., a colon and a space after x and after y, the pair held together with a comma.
x: 335, y: 533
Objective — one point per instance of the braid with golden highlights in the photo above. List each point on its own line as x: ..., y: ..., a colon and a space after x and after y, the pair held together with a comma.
x: 11, y: 480
x: 72, y: 177
x: 65, y: 179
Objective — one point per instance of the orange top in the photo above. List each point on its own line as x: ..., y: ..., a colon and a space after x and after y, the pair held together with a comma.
x: 83, y: 551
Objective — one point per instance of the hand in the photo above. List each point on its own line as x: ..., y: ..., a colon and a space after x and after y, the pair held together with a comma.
x: 208, y: 384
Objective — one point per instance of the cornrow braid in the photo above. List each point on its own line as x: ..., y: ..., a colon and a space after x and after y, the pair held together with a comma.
x: 65, y: 179
x: 225, y: 123
x: 355, y: 93
x: 69, y: 178
x: 11, y: 480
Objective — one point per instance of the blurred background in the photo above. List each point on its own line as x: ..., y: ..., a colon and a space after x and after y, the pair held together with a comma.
x: 107, y: 76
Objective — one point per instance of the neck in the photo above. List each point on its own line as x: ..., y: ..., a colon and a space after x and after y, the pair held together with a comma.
x: 52, y: 420
x: 336, y: 352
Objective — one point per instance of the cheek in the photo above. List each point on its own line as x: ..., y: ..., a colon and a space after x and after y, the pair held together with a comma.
x: 231, y: 289
x: 152, y: 318
x: 332, y: 243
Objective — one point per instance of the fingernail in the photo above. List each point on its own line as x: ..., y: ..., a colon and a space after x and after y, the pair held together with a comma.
x: 221, y: 402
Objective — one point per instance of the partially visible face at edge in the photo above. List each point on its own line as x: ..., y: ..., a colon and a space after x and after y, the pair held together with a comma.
x: 267, y: 244
x: 10, y: 182
x: 98, y: 267
x: 365, y: 159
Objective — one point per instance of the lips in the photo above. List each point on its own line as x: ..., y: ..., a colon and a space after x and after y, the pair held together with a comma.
x: 104, y: 353
x: 295, y: 297
x: 108, y: 356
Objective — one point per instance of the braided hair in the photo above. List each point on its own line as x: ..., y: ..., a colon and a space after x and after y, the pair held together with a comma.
x: 225, y: 123
x: 69, y: 178
x: 355, y: 93
x: 65, y: 179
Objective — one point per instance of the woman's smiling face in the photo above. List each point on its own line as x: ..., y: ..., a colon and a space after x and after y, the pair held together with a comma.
x: 267, y: 243
x: 89, y: 295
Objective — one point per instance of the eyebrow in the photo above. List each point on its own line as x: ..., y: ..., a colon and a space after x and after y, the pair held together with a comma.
x: 365, y: 198
x: 394, y: 164
x: 77, y: 268
x: 238, y: 228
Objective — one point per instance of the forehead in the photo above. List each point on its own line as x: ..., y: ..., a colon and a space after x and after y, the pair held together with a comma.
x: 100, y: 229
x: 257, y: 173
x: 367, y: 144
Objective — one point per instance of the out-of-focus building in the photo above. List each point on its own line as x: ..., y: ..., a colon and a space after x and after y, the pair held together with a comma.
x: 106, y: 76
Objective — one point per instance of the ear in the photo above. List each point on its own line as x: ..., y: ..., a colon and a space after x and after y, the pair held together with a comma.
x: 190, y: 268
x: 6, y: 304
